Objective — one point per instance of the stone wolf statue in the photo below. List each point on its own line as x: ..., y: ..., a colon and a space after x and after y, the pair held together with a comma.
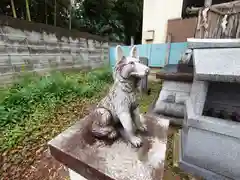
x: 120, y: 106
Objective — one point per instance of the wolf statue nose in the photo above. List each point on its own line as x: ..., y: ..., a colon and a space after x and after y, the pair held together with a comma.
x: 147, y: 70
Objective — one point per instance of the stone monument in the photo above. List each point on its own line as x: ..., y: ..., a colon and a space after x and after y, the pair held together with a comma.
x: 176, y: 86
x: 210, y: 138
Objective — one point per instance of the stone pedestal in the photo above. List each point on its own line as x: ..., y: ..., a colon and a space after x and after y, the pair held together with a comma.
x: 75, y: 176
x: 93, y: 159
x: 175, y: 91
x: 210, y: 138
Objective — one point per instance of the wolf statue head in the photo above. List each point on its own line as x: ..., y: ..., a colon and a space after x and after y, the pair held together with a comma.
x: 129, y: 69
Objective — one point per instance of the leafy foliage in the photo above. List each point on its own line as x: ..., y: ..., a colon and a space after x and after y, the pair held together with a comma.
x: 33, y: 95
x: 117, y: 19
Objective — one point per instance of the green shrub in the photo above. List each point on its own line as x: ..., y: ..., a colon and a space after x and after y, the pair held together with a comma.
x: 23, y: 98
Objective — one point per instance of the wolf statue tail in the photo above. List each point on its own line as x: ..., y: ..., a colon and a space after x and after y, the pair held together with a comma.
x: 102, y: 126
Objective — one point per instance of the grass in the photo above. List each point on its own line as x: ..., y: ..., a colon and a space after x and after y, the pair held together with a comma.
x: 27, y: 103
x: 147, y: 100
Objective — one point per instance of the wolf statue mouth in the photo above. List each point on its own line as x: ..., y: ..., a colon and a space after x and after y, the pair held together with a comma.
x: 137, y: 75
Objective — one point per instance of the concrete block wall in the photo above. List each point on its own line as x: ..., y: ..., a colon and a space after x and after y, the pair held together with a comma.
x: 26, y: 51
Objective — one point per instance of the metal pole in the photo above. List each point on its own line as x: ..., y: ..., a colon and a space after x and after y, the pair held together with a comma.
x: 13, y: 9
x: 169, y: 38
x: 28, y: 11
x: 46, y: 13
x: 70, y: 16
x: 55, y: 13
x: 132, y: 40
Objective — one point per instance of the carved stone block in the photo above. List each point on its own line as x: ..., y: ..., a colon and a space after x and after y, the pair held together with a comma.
x: 96, y: 159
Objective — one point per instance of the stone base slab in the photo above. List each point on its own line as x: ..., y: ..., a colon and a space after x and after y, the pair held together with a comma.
x: 75, y: 176
x: 95, y: 159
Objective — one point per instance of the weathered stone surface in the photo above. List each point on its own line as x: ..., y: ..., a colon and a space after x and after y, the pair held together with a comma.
x: 37, y: 49
x: 169, y: 109
x: 194, y: 43
x: 17, y: 48
x: 5, y: 69
x: 73, y: 41
x: 175, y: 90
x: 65, y: 48
x: 215, y: 86
x: 167, y: 96
x: 98, y: 159
x: 52, y: 49
x: 18, y: 59
x: 177, y: 86
x: 33, y: 37
x: 66, y: 59
x: 45, y: 50
x: 211, y: 151
x: 105, y: 45
x: 49, y: 38
x: 65, y: 40
x: 83, y: 43
x: 223, y: 64
x: 90, y: 44
x: 97, y: 44
x: 12, y: 34
x: 75, y: 48
x: 78, y: 58
x: 2, y: 47
x: 4, y: 60
x: 22, y: 68
x: 198, y: 95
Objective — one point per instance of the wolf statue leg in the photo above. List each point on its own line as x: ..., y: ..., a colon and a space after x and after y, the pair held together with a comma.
x: 102, y: 125
x: 138, y: 122
x: 128, y: 129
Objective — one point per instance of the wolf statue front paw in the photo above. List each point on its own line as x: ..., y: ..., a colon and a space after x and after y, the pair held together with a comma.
x: 136, y: 141
x: 142, y: 128
x: 113, y: 135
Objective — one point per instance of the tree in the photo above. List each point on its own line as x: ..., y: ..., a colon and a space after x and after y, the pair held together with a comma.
x: 130, y: 13
x: 13, y: 9
x: 117, y: 19
x: 27, y: 10
x: 99, y: 17
x: 38, y: 10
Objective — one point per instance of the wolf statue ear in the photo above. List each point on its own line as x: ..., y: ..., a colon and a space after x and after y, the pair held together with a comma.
x: 133, y: 52
x: 119, y: 53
